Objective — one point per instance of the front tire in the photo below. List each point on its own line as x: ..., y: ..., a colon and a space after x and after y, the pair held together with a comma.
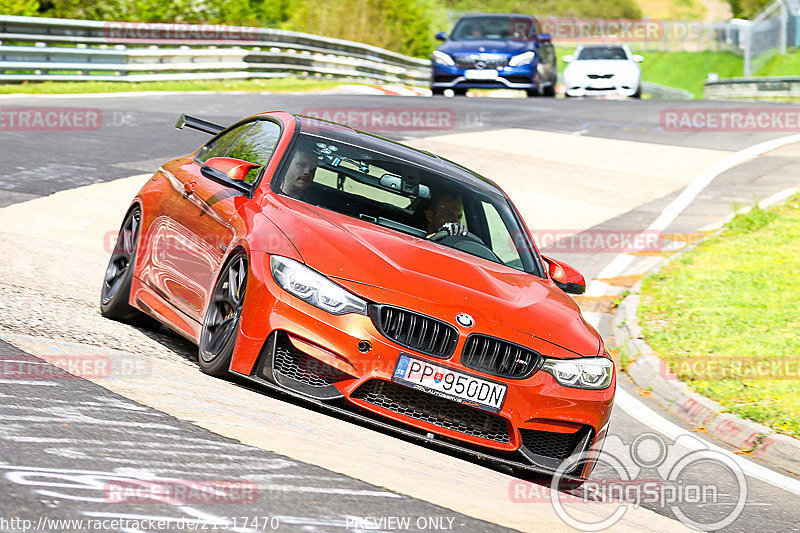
x: 116, y: 291
x: 221, y: 322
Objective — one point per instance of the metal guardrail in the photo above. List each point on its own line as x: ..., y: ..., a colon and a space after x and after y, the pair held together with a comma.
x: 664, y: 92
x: 33, y: 48
x: 764, y: 87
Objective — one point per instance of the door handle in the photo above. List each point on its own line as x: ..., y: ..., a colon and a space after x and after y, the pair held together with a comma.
x: 189, y: 187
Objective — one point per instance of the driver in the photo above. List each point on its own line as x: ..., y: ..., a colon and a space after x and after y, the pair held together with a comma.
x: 300, y: 174
x: 445, y: 213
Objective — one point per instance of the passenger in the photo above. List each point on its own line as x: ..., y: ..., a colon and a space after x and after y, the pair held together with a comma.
x: 445, y: 213
x: 300, y: 174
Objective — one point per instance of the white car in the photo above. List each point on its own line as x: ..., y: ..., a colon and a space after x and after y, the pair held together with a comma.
x: 603, y: 69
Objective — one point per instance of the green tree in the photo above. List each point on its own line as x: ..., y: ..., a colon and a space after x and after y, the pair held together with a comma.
x: 24, y: 8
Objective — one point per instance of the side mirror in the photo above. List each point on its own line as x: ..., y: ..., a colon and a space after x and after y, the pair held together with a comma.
x: 231, y: 168
x: 567, y: 59
x: 441, y: 36
x: 567, y: 278
x: 545, y: 38
x: 637, y: 58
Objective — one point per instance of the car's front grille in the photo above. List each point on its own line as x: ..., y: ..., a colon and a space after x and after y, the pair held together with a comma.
x: 519, y: 79
x: 296, y: 365
x: 417, y: 332
x: 499, y: 357
x: 558, y: 446
x: 479, y: 61
x: 434, y: 410
x: 599, y: 76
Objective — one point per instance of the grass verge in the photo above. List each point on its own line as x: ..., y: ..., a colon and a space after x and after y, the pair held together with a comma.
x: 726, y: 315
x: 78, y: 87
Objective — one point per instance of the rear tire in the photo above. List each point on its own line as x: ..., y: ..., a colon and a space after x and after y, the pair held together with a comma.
x: 437, y: 91
x: 638, y: 93
x: 221, y: 323
x: 533, y: 93
x: 459, y: 92
x: 116, y: 291
x: 550, y: 91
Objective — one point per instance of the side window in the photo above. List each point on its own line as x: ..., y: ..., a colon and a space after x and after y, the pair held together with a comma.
x: 257, y: 146
x: 219, y: 147
x: 502, y: 244
x: 253, y: 142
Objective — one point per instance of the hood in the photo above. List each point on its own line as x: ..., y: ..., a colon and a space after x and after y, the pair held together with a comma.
x: 509, y: 47
x: 601, y: 66
x: 393, y: 268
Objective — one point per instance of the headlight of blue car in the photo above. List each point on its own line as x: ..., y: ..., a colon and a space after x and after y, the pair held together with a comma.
x: 521, y: 59
x: 442, y: 59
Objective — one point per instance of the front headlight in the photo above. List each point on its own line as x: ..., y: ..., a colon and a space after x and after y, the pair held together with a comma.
x: 582, y: 373
x: 314, y: 288
x: 521, y: 59
x: 442, y: 58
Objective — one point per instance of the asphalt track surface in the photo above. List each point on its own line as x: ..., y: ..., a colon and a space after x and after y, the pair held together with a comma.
x: 83, y: 421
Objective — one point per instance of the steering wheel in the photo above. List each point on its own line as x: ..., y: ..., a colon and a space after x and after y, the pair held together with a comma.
x: 440, y: 235
x: 469, y: 243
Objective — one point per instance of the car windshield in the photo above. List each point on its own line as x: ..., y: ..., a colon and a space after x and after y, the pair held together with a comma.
x: 602, y: 52
x: 492, y: 29
x: 383, y: 189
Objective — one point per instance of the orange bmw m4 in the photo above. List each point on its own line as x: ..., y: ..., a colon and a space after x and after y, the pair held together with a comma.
x: 376, y: 280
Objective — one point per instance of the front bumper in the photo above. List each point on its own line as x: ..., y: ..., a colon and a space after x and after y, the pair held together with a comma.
x: 589, y: 89
x: 321, y: 357
x: 522, y: 77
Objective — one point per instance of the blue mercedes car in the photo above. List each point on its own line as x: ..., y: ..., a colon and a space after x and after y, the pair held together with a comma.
x: 498, y: 51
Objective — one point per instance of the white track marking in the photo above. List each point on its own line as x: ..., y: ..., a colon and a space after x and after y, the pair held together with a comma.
x: 106, y: 444
x: 648, y: 417
x: 683, y: 200
x: 80, y: 407
x: 84, y: 420
x: 28, y: 382
x: 329, y: 490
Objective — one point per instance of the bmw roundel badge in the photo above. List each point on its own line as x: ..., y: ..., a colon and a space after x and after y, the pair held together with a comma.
x: 465, y: 320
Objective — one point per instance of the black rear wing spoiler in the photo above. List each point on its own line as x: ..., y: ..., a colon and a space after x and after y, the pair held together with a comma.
x: 198, y: 124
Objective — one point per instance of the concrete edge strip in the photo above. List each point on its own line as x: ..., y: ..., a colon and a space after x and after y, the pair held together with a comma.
x: 650, y: 372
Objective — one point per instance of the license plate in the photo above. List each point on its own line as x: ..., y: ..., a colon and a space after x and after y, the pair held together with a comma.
x: 450, y: 384
x: 480, y: 74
